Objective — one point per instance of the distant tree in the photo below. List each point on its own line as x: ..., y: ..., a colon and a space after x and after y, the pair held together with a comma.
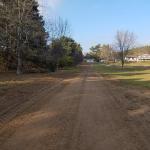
x: 124, y: 41
x: 95, y: 52
x: 58, y: 28
x: 65, y: 51
x: 139, y: 51
x: 107, y: 53
x: 76, y: 53
x: 102, y: 52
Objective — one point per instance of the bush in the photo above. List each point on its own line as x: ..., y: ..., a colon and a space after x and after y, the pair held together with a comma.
x: 52, y: 66
x: 66, y: 61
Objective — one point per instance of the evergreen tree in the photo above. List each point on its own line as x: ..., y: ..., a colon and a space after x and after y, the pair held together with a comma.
x: 22, y: 30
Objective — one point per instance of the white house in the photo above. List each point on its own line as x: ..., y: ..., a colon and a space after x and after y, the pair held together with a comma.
x: 131, y: 59
x: 144, y: 57
x: 89, y: 60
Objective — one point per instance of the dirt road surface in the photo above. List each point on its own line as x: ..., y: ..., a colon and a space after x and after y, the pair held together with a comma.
x: 77, y: 112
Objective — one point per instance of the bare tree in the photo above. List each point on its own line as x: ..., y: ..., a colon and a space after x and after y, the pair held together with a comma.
x: 124, y: 41
x: 23, y: 9
x: 57, y: 28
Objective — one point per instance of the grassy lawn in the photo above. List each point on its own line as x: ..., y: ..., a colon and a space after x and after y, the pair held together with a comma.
x: 74, y: 69
x: 137, y: 75
x: 147, y: 63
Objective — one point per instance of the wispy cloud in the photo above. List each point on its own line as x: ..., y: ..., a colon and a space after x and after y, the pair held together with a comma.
x: 52, y: 4
x: 48, y: 7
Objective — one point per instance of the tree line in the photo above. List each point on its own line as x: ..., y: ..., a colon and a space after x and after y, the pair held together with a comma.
x: 26, y: 41
x: 123, y: 46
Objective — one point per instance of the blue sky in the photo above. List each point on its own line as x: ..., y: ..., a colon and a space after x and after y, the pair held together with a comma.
x: 97, y: 21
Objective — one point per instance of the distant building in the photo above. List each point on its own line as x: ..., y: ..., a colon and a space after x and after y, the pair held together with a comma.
x: 89, y: 60
x: 144, y: 57
x: 131, y: 59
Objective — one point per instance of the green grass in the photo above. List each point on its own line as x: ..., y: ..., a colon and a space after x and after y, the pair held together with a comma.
x: 130, y: 75
x: 74, y: 69
x: 143, y: 63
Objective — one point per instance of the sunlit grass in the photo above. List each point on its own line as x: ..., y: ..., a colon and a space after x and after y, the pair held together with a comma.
x: 140, y: 63
x: 130, y: 75
x: 15, y: 82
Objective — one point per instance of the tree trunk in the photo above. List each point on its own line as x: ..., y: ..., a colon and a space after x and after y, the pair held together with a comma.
x: 57, y: 66
x: 122, y: 64
x: 122, y: 59
x: 19, y: 51
x: 19, y: 63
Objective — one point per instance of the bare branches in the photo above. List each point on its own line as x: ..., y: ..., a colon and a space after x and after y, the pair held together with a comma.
x: 58, y: 28
x: 124, y: 41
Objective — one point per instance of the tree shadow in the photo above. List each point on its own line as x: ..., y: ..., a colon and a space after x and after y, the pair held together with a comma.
x: 129, y: 74
x: 136, y: 82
